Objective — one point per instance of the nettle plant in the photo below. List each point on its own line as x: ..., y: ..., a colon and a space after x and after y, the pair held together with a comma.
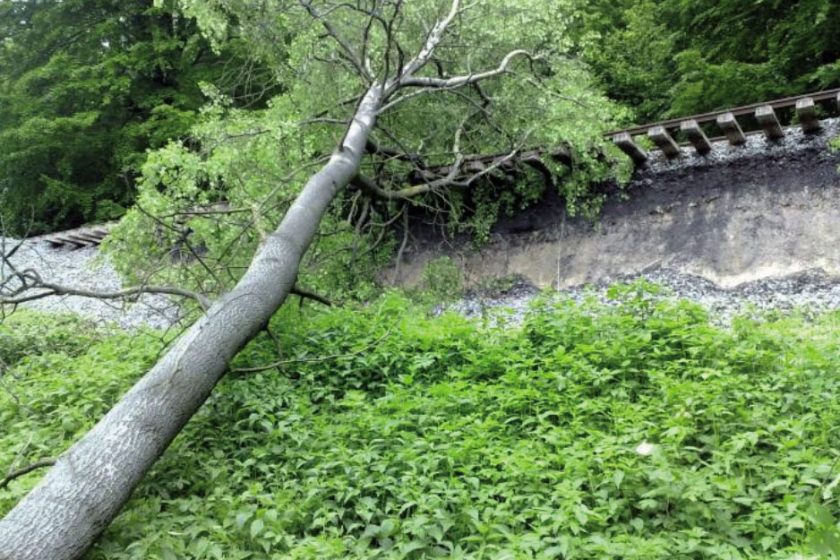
x: 635, y: 430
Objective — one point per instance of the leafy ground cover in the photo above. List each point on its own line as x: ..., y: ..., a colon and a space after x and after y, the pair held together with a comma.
x: 637, y: 430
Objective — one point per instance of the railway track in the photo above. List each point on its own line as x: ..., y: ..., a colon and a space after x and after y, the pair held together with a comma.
x: 769, y: 118
x: 78, y: 238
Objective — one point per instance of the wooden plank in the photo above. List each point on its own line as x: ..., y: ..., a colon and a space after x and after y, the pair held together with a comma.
x: 80, y: 240
x: 807, y: 113
x: 80, y: 237
x: 625, y: 142
x: 664, y: 141
x: 88, y: 237
x: 65, y: 240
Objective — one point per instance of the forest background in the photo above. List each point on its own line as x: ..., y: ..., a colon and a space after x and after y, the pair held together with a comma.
x: 88, y: 87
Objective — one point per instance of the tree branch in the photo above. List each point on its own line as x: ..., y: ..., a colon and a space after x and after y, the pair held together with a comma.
x: 477, y: 165
x: 51, y: 290
x: 375, y: 148
x: 348, y: 49
x: 306, y: 294
x: 458, y: 81
x: 25, y: 470
x: 429, y: 46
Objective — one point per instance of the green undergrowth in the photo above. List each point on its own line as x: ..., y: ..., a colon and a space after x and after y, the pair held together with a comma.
x: 630, y: 431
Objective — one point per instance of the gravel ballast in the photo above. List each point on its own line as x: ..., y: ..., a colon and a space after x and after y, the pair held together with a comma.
x: 812, y: 292
x: 81, y: 269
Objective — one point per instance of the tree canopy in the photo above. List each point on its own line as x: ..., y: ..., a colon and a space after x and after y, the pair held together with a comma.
x: 667, y: 58
x: 546, y: 101
x: 88, y: 87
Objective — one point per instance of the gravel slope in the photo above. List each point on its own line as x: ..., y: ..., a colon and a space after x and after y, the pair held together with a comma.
x: 811, y: 292
x: 79, y: 268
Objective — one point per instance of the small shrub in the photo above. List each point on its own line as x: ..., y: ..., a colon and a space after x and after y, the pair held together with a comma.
x: 443, y: 278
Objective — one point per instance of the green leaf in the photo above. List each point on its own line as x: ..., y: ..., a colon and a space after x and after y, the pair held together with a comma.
x: 256, y: 528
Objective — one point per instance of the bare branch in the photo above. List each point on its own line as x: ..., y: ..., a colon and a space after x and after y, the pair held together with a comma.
x: 25, y: 470
x: 369, y: 187
x: 306, y: 294
x: 458, y: 81
x: 31, y: 281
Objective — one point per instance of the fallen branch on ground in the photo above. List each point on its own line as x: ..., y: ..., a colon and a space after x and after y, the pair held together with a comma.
x: 31, y: 281
x: 25, y: 470
x: 306, y: 294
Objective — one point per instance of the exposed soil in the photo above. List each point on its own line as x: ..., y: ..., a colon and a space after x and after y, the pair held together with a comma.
x: 744, y: 214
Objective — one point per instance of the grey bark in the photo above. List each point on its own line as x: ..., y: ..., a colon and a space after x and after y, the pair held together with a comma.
x: 89, y: 483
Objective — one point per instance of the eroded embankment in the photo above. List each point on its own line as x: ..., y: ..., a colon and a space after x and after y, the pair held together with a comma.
x: 757, y: 219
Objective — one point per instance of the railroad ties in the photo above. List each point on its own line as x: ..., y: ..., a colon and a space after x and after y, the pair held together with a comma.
x: 93, y: 235
x: 77, y: 238
x: 669, y: 136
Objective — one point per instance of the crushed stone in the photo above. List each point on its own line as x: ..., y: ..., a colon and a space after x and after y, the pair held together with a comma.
x: 811, y: 293
x: 84, y: 269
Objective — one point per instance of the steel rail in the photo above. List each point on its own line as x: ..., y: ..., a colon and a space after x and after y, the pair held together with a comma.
x: 785, y: 102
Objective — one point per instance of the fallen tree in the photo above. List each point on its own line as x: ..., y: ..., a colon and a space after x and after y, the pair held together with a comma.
x: 91, y: 481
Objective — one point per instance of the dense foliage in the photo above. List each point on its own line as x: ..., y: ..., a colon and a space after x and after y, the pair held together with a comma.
x: 679, y: 57
x: 86, y: 87
x: 637, y: 430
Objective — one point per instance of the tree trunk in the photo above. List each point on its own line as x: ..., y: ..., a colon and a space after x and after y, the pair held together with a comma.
x: 89, y: 483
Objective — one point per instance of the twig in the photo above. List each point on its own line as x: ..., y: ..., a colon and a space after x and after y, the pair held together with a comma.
x: 305, y: 294
x: 314, y: 360
x: 25, y: 470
